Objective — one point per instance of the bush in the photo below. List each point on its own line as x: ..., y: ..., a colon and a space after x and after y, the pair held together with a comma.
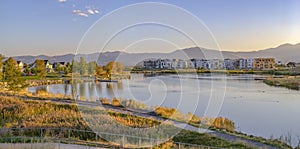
x: 116, y: 102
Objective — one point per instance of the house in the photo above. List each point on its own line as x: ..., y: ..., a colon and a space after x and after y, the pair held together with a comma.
x: 59, y: 64
x: 264, y: 63
x: 48, y: 66
x: 20, y: 64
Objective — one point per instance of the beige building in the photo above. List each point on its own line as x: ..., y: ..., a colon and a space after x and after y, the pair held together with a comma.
x: 20, y: 64
x: 264, y: 63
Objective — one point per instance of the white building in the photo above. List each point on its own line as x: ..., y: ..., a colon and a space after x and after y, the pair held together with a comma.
x: 250, y: 63
x: 191, y: 64
x: 181, y: 64
x: 217, y: 64
x: 229, y: 64
x: 199, y: 63
x: 167, y: 64
x: 246, y: 63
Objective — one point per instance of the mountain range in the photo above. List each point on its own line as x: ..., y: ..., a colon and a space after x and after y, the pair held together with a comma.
x: 284, y: 53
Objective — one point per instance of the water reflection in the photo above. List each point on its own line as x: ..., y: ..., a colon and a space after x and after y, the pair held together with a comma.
x: 86, y: 91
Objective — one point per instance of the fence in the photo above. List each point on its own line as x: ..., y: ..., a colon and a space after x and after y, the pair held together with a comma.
x: 83, y: 137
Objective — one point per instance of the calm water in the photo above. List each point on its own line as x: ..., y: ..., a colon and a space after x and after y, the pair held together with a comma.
x: 256, y: 108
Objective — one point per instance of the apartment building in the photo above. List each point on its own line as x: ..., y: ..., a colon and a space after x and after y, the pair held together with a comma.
x: 264, y: 63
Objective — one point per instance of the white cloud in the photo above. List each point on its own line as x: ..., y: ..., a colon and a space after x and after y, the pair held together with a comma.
x: 61, y: 1
x: 90, y: 11
x: 80, y: 13
x: 96, y: 11
x: 76, y: 11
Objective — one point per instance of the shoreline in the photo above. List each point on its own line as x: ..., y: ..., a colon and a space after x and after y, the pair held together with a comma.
x: 290, y: 82
x: 182, y: 71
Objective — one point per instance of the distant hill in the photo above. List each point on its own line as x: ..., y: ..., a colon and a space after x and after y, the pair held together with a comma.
x: 285, y: 53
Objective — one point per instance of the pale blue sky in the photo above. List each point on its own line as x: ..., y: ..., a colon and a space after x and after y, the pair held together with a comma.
x: 51, y: 27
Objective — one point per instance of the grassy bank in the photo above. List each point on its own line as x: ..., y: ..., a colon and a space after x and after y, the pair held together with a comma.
x: 49, y: 76
x: 291, y: 82
x: 18, y: 113
x: 38, y: 95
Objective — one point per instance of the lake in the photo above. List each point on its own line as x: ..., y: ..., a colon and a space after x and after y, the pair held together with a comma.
x: 255, y: 107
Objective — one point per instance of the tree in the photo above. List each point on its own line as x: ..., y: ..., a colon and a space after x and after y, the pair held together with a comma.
x: 100, y: 72
x: 12, y: 75
x: 59, y: 68
x: 68, y: 68
x: 111, y: 67
x: 1, y: 66
x: 75, y: 66
x: 229, y: 125
x: 120, y: 67
x: 114, y: 67
x: 40, y: 68
x: 193, y: 118
x: 27, y: 70
x: 82, y: 66
x: 291, y: 64
x: 91, y: 67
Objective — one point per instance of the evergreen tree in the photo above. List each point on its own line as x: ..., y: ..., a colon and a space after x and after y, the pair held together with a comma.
x: 68, y: 68
x: 27, y: 70
x: 40, y: 68
x: 12, y: 75
x: 75, y: 66
x: 82, y: 66
x: 91, y: 68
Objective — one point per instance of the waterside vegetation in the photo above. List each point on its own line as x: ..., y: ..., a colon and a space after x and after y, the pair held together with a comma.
x: 16, y: 113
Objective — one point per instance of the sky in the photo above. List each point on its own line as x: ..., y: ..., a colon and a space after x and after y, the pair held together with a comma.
x: 55, y: 27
